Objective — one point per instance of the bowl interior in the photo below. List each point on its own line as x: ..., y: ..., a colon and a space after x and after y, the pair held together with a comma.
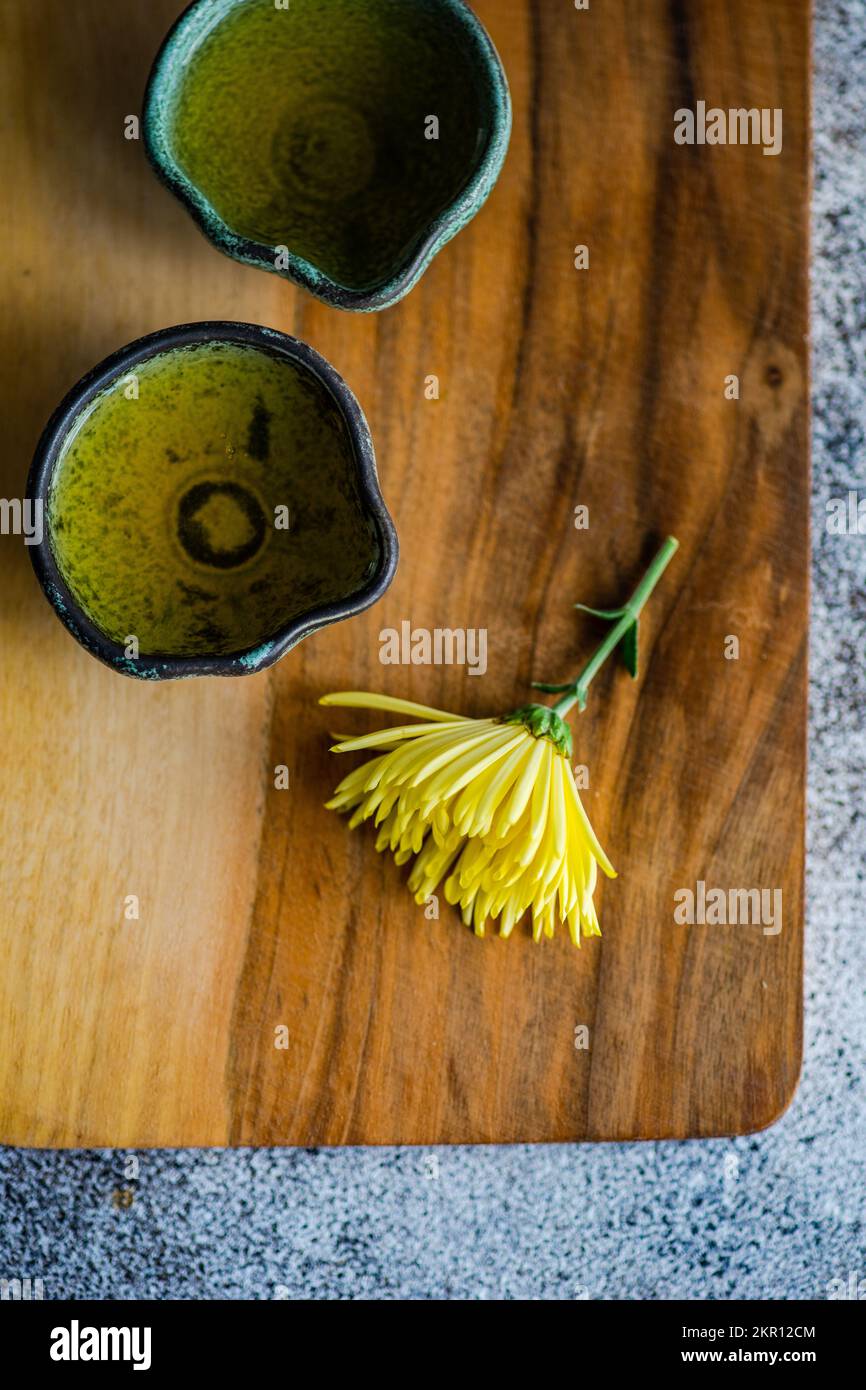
x: 206, y: 496
x: 311, y: 127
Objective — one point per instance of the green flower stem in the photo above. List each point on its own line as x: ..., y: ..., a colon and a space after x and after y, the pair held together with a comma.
x: 625, y: 618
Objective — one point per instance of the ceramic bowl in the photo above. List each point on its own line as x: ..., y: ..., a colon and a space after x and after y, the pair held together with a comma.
x: 209, y: 497
x: 340, y: 143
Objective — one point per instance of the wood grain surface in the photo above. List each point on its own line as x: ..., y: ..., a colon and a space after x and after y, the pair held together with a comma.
x: 559, y: 387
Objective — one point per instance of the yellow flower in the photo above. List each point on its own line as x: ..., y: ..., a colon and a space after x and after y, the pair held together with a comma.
x: 491, y: 803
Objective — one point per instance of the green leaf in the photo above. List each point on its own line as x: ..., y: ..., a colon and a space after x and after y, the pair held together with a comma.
x: 609, y: 614
x: 628, y: 649
x: 552, y: 689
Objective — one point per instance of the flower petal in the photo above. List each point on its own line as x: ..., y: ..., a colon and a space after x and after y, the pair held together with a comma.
x: 385, y: 736
x: 363, y: 699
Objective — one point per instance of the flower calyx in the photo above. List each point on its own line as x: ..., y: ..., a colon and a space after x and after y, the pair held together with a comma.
x: 543, y: 722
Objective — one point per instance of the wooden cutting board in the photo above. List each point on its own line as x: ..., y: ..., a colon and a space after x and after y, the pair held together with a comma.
x: 559, y: 388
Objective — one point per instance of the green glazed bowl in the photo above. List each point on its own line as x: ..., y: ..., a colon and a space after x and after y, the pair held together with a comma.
x: 339, y: 143
x: 210, y: 498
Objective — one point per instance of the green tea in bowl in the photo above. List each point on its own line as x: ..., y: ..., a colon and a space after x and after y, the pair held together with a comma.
x: 340, y: 143
x: 210, y: 497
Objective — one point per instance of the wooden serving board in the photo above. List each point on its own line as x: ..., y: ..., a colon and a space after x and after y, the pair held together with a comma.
x: 559, y: 388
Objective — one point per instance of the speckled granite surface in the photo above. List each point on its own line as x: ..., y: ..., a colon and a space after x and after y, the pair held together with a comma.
x: 777, y: 1215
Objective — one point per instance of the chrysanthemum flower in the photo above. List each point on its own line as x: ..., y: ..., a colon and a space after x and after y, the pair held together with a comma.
x: 489, y: 805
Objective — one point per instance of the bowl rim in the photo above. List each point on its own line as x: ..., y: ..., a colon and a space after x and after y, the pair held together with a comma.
x: 260, y: 655
x: 162, y: 83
